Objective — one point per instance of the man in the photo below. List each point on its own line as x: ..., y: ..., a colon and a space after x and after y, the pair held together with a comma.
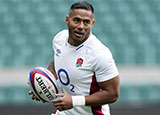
x: 87, y: 75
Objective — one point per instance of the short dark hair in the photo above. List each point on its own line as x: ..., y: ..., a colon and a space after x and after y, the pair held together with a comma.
x: 82, y: 5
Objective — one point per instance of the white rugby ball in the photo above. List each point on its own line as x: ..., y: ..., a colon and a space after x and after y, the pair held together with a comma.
x: 43, y: 84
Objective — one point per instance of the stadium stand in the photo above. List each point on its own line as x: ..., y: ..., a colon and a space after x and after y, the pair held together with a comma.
x: 132, y: 25
x: 130, y: 28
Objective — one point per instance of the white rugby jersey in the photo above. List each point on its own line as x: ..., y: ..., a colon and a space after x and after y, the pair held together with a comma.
x: 80, y: 68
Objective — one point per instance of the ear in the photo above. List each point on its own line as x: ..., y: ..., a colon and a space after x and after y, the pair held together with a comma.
x: 67, y: 20
x: 93, y: 21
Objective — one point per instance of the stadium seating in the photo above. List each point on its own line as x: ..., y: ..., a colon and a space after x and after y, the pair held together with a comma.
x: 130, y: 28
x: 15, y: 95
x: 145, y: 94
x: 129, y: 94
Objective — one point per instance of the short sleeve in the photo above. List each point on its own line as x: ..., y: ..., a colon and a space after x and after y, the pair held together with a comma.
x: 104, y: 66
x: 59, y: 39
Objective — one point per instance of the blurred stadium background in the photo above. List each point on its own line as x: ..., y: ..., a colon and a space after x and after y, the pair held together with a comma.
x: 130, y: 28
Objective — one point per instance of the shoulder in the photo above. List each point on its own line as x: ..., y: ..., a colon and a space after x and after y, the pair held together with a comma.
x: 101, y: 54
x: 97, y: 48
x: 103, y: 62
x: 60, y: 37
x: 60, y: 34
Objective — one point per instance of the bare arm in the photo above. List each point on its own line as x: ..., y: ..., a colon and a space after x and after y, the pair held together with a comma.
x: 51, y: 68
x: 109, y: 93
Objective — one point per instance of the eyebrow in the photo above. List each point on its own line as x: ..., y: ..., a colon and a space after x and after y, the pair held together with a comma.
x: 81, y: 18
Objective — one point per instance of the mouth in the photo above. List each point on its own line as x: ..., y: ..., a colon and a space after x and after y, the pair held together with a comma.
x: 78, y: 34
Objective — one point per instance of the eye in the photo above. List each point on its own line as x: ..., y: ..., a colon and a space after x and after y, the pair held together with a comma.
x: 87, y: 22
x: 76, y: 20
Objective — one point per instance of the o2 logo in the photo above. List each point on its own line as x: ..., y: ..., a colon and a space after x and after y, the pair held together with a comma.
x: 66, y: 81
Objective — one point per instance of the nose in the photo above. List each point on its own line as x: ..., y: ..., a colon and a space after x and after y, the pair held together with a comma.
x: 81, y: 26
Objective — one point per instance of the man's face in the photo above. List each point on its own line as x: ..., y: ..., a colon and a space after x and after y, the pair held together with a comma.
x: 80, y: 23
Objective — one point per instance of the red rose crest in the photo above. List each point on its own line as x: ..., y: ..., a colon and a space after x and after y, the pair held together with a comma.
x: 79, y: 62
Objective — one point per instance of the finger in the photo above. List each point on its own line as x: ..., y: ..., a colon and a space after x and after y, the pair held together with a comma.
x: 60, y: 94
x: 58, y: 104
x: 37, y: 99
x: 33, y: 97
x: 60, y: 108
x: 56, y: 101
x: 30, y: 92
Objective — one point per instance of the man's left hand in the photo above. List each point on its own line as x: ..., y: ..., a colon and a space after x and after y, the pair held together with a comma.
x: 63, y: 103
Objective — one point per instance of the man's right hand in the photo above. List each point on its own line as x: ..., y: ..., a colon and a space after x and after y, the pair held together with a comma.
x: 33, y: 96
